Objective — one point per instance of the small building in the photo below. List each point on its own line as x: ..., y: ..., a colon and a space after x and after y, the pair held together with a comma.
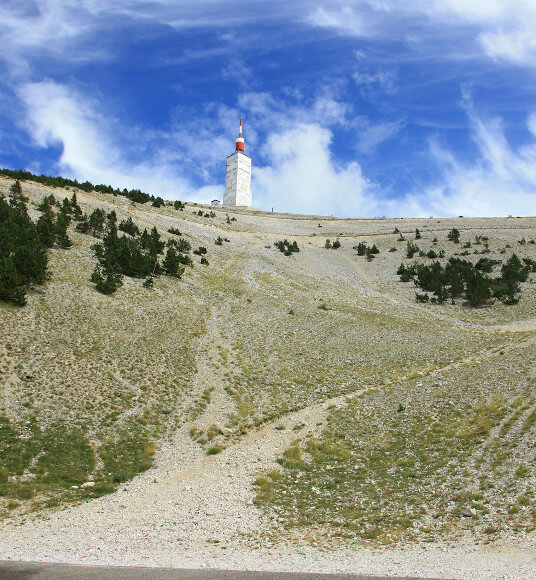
x: 215, y: 202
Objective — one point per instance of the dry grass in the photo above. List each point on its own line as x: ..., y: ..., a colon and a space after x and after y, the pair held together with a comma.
x: 446, y: 422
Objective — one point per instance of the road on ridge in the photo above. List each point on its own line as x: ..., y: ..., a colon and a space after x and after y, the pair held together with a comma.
x: 40, y: 571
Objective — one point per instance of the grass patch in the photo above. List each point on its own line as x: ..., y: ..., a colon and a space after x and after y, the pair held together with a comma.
x: 384, y: 471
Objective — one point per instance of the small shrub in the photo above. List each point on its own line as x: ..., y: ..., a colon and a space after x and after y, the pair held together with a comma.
x: 215, y: 449
x: 286, y: 247
x: 454, y: 236
x: 411, y: 250
x: 183, y: 245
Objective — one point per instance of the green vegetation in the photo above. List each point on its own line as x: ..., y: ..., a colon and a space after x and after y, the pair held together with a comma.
x: 23, y: 255
x: 368, y: 251
x: 454, y: 236
x: 129, y: 227
x: 332, y: 246
x: 134, y: 256
x: 385, y: 472
x: 134, y: 194
x: 412, y: 249
x: 286, y: 247
x: 462, y: 279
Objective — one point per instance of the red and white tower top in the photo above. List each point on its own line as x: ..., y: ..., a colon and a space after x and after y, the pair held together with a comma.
x: 240, y: 139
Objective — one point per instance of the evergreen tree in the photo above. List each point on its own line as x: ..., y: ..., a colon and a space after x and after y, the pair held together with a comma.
x: 47, y: 230
x: 16, y: 193
x: 66, y: 207
x: 76, y: 209
x: 183, y: 245
x: 82, y: 225
x: 156, y: 245
x: 361, y: 248
x: 11, y: 288
x: 171, y: 263
x: 96, y: 222
x: 62, y: 222
x: 129, y: 227
x: 30, y: 260
x: 454, y: 235
x: 106, y: 281
x: 46, y: 206
x: 144, y: 239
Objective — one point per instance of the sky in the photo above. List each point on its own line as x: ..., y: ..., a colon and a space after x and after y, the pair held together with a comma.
x: 363, y: 108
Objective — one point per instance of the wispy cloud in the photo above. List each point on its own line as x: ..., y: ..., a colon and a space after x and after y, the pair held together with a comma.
x: 371, y: 135
x: 501, y: 181
x: 93, y: 148
x: 372, y: 82
x: 504, y: 30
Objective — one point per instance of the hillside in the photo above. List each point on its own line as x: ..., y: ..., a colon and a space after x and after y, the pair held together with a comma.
x: 271, y: 404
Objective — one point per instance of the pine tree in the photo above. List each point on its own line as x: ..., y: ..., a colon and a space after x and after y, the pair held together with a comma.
x: 11, y: 288
x: 47, y: 230
x: 454, y: 235
x: 76, y: 209
x: 62, y: 222
x: 46, y: 206
x: 96, y: 222
x: 171, y: 263
x: 156, y: 245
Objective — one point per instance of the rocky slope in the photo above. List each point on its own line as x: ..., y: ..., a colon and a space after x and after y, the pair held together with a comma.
x: 290, y: 404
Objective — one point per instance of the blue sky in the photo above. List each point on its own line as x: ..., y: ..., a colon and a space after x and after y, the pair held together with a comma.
x: 361, y: 108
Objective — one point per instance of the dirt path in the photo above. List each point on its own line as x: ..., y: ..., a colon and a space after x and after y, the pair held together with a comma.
x: 194, y: 510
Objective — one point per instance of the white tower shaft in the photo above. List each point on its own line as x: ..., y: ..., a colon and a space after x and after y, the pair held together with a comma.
x: 238, y: 180
x: 238, y: 175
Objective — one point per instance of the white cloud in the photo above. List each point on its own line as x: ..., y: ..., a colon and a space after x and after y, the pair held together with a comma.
x: 504, y: 29
x: 500, y: 182
x: 372, y: 135
x: 277, y: 114
x: 372, y: 81
x: 95, y: 147
x: 518, y: 46
x: 302, y: 176
x: 344, y: 19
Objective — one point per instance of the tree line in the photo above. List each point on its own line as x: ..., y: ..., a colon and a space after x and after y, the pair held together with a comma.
x: 135, y: 195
